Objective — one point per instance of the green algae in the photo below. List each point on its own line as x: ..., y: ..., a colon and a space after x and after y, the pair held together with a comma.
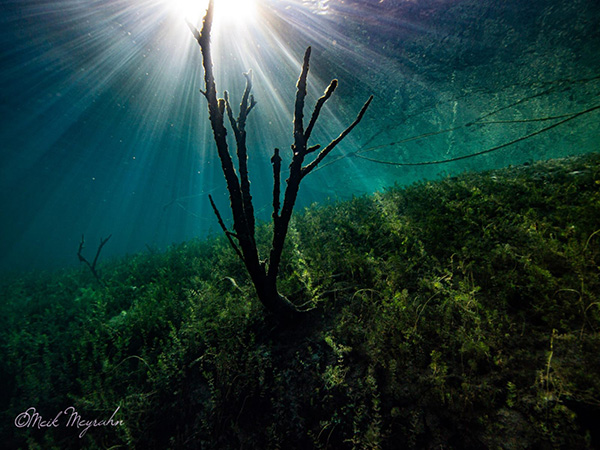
x: 459, y: 313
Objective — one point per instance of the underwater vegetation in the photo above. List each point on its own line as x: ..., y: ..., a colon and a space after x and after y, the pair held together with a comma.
x: 459, y: 314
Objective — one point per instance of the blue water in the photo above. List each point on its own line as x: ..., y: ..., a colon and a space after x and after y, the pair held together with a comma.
x: 103, y: 129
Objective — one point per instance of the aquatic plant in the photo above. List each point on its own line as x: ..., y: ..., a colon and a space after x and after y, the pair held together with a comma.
x: 458, y: 314
x: 264, y: 277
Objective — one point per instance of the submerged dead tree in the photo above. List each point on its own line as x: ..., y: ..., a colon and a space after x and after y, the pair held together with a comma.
x: 242, y: 238
x: 92, y: 265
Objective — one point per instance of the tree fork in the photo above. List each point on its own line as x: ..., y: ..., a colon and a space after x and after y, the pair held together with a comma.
x: 92, y: 265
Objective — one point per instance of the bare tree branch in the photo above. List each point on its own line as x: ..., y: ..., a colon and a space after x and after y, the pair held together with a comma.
x: 323, y: 153
x: 82, y: 258
x: 263, y: 277
x: 276, y: 162
x: 299, y: 140
x: 224, y: 228
x: 328, y: 92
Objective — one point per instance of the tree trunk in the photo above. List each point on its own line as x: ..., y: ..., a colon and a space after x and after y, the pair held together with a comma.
x: 269, y: 296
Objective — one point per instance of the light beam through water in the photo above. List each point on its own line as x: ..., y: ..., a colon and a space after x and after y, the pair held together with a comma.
x: 104, y: 130
x: 227, y: 12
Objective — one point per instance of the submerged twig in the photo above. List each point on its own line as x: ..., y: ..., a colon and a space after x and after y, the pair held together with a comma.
x: 92, y: 266
x: 489, y: 150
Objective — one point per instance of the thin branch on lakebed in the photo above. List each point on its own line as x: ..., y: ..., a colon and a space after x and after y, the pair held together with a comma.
x: 92, y: 265
x: 242, y: 238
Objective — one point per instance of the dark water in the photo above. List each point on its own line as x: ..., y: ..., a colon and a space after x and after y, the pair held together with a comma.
x: 103, y: 129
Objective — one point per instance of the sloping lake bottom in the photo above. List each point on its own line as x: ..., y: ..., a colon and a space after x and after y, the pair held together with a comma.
x: 459, y: 313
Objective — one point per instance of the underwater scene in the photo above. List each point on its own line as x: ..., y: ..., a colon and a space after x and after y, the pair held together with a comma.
x: 300, y: 224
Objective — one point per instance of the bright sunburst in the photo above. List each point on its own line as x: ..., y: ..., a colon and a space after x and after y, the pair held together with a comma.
x: 226, y: 11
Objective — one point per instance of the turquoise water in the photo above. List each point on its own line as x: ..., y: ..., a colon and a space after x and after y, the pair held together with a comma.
x: 104, y: 131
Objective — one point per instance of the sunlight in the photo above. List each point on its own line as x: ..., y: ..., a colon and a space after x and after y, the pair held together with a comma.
x: 236, y: 12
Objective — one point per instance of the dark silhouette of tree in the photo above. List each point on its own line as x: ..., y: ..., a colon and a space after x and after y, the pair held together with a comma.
x: 92, y: 265
x: 242, y: 238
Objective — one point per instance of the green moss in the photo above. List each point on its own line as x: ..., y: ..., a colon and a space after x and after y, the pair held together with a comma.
x: 462, y: 313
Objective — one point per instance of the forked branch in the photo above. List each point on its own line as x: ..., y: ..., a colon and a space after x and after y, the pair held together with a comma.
x: 82, y: 258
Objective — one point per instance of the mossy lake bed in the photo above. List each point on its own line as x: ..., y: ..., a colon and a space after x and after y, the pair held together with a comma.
x: 459, y: 313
